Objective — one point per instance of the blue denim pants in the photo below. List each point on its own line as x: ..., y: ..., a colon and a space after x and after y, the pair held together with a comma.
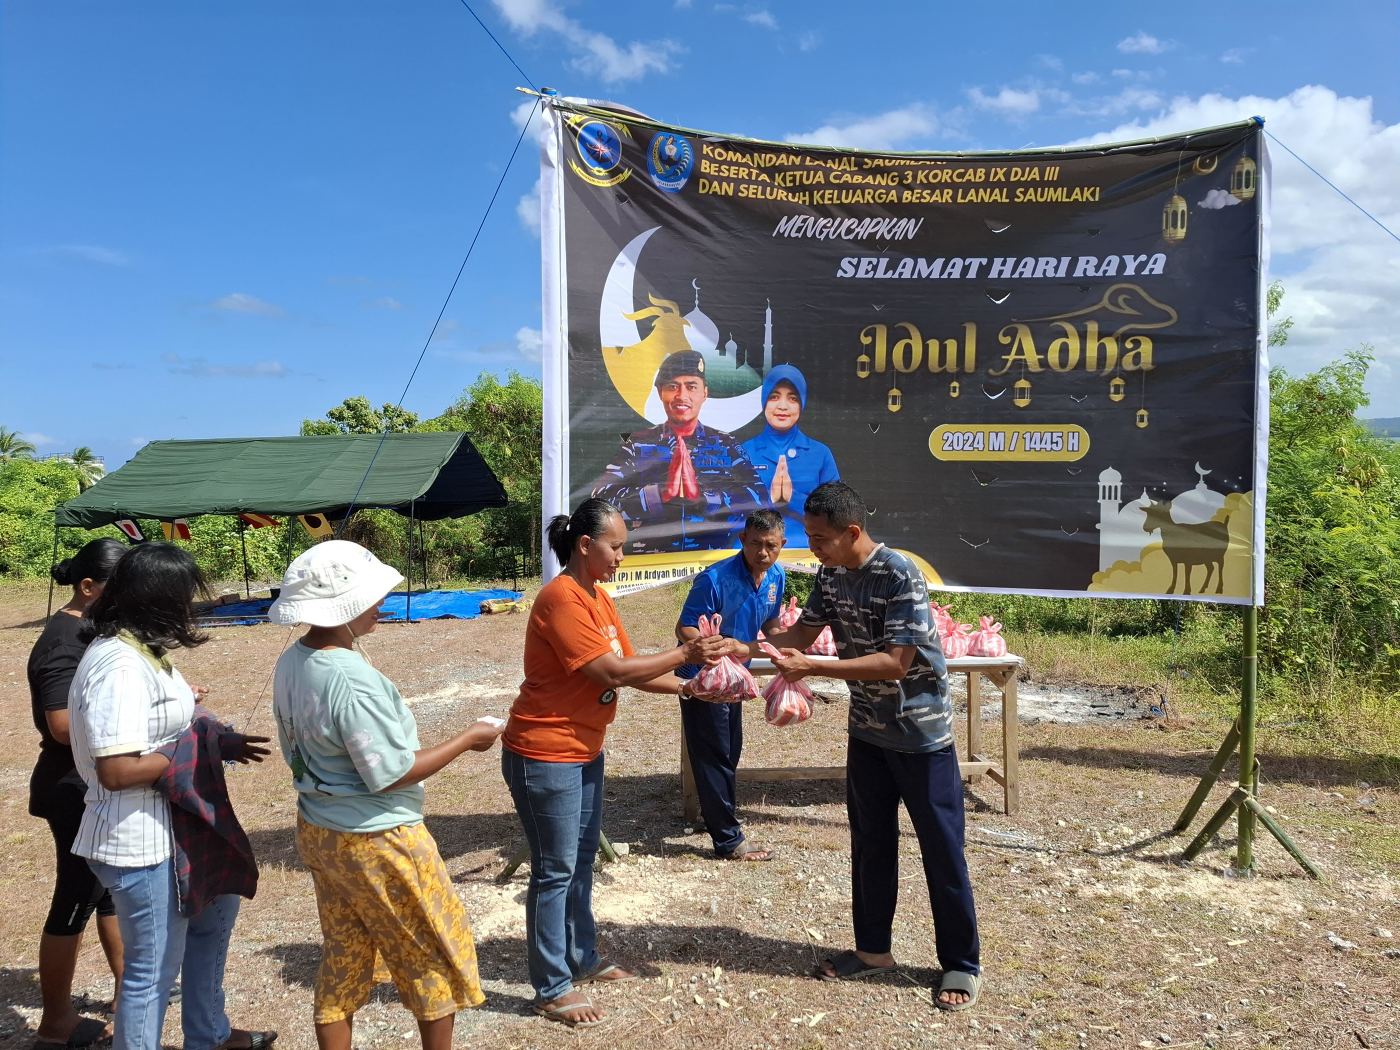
x: 159, y: 943
x: 560, y: 805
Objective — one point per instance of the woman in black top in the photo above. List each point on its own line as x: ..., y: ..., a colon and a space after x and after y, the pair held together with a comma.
x: 56, y: 794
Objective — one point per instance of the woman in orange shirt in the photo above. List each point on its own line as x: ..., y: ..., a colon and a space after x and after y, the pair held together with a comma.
x: 577, y: 657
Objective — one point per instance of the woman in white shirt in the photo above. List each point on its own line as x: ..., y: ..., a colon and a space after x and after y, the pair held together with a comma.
x: 127, y: 701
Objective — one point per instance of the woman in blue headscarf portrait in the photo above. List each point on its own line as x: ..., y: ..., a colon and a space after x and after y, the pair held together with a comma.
x: 789, y: 463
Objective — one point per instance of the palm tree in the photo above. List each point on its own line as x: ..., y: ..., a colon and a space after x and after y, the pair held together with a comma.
x: 88, y: 466
x: 12, y: 446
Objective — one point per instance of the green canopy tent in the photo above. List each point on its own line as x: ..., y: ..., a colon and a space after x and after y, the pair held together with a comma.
x: 424, y: 476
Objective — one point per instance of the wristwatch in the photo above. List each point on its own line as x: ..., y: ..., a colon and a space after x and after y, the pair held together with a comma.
x: 683, y: 690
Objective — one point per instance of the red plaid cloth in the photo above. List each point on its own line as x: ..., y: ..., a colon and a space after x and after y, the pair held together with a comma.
x: 212, y: 853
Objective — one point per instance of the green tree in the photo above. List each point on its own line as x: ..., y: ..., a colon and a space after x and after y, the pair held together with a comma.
x: 355, y: 415
x: 30, y: 489
x: 86, y: 465
x: 13, y: 446
x: 504, y: 421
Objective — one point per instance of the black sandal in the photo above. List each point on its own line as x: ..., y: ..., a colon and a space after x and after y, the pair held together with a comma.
x: 848, y: 966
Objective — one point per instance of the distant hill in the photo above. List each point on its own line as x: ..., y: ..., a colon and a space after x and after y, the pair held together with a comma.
x: 1385, y: 427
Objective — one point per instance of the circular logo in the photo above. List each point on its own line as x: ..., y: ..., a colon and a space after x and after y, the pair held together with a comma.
x: 599, y: 146
x: 607, y: 697
x: 670, y: 160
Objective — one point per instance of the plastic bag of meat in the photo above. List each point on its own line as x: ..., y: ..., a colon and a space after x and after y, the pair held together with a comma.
x: 988, y: 641
x: 957, y: 640
x: 727, y: 681
x: 785, y: 703
x: 825, y: 645
x: 942, y: 617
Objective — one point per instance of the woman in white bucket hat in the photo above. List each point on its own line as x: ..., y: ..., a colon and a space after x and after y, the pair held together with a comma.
x: 352, y: 745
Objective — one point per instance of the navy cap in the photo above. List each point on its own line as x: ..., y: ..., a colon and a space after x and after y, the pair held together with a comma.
x: 682, y: 363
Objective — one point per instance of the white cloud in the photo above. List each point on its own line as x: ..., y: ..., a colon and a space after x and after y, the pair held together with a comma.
x: 1218, y: 198
x: 386, y: 302
x: 242, y: 303
x: 1128, y: 100
x: 93, y: 253
x: 202, y: 368
x: 1141, y: 43
x: 892, y: 129
x: 1009, y: 102
x: 808, y: 40
x: 684, y: 5
x: 1236, y: 56
x: 529, y: 343
x: 446, y: 328
x: 1053, y: 62
x: 593, y: 52
x: 527, y: 208
x: 1087, y: 77
x: 1338, y: 269
x: 37, y: 439
x: 762, y: 18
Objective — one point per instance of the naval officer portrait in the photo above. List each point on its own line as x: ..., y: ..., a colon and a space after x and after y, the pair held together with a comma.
x: 681, y: 485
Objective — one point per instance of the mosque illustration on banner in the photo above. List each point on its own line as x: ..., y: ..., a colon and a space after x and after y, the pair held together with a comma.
x: 1197, y: 542
x: 734, y: 375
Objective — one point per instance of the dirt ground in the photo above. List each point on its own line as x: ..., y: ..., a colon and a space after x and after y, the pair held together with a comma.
x: 1092, y: 934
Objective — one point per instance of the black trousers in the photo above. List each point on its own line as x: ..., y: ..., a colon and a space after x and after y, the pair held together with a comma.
x: 714, y: 739
x: 76, y: 891
x: 930, y: 787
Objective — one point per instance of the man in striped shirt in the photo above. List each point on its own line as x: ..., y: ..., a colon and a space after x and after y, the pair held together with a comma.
x: 900, y: 749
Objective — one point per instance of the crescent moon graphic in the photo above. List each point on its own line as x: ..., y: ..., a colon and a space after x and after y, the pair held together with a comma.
x: 614, y: 330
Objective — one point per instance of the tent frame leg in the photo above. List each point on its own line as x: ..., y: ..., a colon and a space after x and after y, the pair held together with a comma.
x: 408, y: 566
x: 243, y: 542
x: 53, y: 560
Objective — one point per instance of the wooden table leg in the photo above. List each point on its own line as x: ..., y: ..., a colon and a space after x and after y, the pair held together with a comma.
x: 1010, y: 743
x: 974, y: 715
x: 690, y: 798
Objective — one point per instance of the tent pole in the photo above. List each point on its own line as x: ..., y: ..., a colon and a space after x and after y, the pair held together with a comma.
x: 423, y: 557
x: 243, y: 542
x: 408, y: 567
x: 53, y: 560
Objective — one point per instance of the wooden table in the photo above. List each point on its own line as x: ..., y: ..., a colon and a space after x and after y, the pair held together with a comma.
x: 999, y: 670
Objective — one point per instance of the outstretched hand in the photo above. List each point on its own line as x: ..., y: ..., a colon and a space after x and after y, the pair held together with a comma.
x: 793, y: 664
x: 709, y: 650
x: 243, y: 748
x: 482, y: 734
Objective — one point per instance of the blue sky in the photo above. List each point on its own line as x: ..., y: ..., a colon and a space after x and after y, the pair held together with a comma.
x: 217, y: 219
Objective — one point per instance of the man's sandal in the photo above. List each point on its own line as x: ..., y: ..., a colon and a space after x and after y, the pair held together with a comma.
x: 970, y: 984
x: 848, y: 966
x: 560, y: 1012
x: 747, y: 851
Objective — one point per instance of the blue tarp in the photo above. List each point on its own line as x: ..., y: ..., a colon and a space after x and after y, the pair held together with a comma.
x: 428, y: 605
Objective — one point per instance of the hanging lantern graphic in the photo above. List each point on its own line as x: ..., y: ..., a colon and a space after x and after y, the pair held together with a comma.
x: 953, y: 389
x: 1021, y: 393
x: 896, y: 401
x: 1174, y: 218
x: 863, y: 366
x: 1205, y: 164
x: 1116, y: 388
x: 1243, y: 181
x: 1142, y: 418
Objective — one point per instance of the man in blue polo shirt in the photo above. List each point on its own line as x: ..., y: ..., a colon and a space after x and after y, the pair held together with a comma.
x: 747, y: 591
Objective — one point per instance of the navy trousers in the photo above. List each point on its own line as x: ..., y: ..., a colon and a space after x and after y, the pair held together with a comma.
x: 930, y: 787
x: 714, y: 738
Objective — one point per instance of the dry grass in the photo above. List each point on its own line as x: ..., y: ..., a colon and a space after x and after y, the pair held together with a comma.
x: 1092, y: 935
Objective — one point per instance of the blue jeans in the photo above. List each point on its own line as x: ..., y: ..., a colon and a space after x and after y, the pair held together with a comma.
x: 560, y: 805
x: 158, y: 943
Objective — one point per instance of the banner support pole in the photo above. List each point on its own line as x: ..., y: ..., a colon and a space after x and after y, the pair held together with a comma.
x: 1243, y: 802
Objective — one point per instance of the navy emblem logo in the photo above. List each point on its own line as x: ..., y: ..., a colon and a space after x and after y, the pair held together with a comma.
x: 772, y: 593
x: 599, y: 147
x: 670, y: 160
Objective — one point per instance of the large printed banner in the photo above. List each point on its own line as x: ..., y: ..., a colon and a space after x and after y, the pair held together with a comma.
x: 1043, y: 371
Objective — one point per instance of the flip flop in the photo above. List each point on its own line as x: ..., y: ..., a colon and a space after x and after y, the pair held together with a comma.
x: 256, y: 1041
x: 601, y: 972
x: 559, y: 1011
x: 747, y: 851
x: 848, y: 966
x: 957, y: 981
x: 86, y: 1032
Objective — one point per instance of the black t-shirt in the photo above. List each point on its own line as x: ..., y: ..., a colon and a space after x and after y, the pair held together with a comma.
x: 52, y: 664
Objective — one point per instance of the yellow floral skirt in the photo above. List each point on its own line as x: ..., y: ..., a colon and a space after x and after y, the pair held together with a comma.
x: 388, y: 894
